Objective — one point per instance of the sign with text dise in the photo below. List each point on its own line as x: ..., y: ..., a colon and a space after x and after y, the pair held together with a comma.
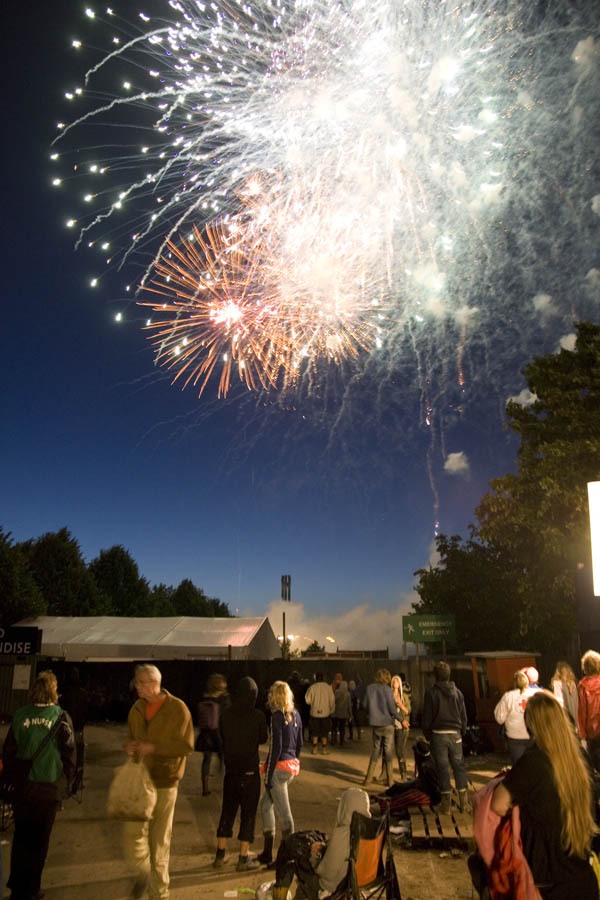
x: 20, y: 641
x: 428, y: 629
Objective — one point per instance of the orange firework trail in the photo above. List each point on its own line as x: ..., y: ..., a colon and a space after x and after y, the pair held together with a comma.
x: 216, y: 313
x: 263, y: 294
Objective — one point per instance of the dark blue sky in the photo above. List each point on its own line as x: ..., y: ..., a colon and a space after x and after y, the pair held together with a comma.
x: 234, y: 493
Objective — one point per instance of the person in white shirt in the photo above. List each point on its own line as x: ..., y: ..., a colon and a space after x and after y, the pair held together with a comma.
x: 510, y: 712
x: 321, y: 700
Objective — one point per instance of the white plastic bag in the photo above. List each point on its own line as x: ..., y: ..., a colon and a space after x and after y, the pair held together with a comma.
x: 131, y: 795
x: 265, y: 891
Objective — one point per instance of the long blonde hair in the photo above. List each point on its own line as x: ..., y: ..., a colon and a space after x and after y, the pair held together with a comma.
x: 281, y: 698
x: 547, y: 722
x: 564, y: 672
x: 521, y: 681
x: 397, y: 687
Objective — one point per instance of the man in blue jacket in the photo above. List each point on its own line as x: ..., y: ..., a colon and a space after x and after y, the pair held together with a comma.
x: 381, y: 709
x: 444, y: 723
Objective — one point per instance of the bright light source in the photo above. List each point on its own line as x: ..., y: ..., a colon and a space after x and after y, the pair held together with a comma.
x: 330, y: 639
x: 594, y: 500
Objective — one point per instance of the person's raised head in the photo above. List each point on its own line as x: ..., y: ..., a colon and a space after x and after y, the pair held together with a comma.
x: 281, y: 698
x: 44, y: 690
x: 590, y: 663
x: 216, y: 684
x: 533, y: 676
x: 520, y: 680
x: 564, y: 672
x: 441, y: 671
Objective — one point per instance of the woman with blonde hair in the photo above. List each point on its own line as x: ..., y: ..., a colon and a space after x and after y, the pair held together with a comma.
x: 401, y: 729
x: 510, y: 712
x: 551, y: 785
x: 281, y: 766
x: 564, y: 687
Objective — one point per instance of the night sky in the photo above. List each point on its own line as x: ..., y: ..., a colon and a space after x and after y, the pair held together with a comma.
x: 341, y: 488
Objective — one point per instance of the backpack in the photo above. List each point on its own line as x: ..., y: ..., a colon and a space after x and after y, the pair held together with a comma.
x: 208, y: 714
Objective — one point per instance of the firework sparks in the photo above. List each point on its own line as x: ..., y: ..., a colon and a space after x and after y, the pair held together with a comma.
x: 358, y: 162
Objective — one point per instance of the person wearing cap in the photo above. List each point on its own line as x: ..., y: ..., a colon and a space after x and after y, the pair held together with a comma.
x: 533, y: 677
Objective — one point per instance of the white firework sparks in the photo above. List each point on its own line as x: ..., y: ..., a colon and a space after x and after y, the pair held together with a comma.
x: 388, y: 164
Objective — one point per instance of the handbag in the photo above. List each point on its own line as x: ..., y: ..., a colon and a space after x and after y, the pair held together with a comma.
x: 132, y: 795
x: 15, y: 771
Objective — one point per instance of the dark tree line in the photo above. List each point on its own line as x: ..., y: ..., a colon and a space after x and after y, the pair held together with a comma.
x: 512, y: 584
x: 48, y: 576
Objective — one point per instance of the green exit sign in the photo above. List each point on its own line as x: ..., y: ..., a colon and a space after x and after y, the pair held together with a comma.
x: 428, y: 629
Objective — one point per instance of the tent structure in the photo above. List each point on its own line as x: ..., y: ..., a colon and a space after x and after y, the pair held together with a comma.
x: 116, y: 638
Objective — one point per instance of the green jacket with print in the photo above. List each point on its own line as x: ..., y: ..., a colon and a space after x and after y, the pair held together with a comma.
x: 30, y: 725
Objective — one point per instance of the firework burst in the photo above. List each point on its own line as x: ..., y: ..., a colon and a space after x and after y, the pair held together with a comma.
x: 369, y: 169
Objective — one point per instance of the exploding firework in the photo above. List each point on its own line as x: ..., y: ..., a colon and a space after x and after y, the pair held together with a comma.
x: 263, y: 294
x: 373, y: 172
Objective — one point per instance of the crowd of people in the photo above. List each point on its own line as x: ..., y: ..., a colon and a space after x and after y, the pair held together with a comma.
x: 535, y: 824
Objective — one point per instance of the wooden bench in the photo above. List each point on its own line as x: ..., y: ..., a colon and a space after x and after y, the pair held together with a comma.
x: 430, y: 829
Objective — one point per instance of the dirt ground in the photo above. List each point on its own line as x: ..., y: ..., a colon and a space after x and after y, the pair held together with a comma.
x: 85, y: 861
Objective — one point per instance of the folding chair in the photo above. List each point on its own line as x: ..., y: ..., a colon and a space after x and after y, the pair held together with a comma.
x: 370, y: 876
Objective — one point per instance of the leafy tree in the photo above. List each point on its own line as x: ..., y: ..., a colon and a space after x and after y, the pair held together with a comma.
x: 118, y: 577
x: 471, y: 582
x: 314, y: 647
x: 218, y: 608
x: 161, y: 600
x: 512, y: 584
x: 188, y: 600
x: 60, y: 572
x: 21, y: 596
x: 539, y: 515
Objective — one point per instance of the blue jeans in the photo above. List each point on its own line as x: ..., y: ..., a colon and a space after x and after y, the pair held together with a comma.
x: 276, y: 799
x: 516, y: 748
x: 383, y: 736
x: 447, y: 748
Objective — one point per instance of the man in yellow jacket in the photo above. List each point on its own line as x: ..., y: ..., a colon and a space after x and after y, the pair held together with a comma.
x: 162, y: 733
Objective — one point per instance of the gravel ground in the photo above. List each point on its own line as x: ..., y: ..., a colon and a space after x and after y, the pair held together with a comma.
x: 85, y: 861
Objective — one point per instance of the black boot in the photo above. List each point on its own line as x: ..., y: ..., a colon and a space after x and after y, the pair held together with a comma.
x: 205, y: 790
x: 284, y: 834
x: 266, y: 857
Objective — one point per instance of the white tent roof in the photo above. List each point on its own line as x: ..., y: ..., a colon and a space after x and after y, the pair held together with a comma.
x: 80, y: 638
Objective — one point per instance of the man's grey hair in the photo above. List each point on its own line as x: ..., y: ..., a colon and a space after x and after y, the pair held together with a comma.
x: 151, y: 671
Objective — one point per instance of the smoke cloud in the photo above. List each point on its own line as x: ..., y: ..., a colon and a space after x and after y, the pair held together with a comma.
x: 457, y: 464
x: 363, y: 627
x: 525, y: 398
